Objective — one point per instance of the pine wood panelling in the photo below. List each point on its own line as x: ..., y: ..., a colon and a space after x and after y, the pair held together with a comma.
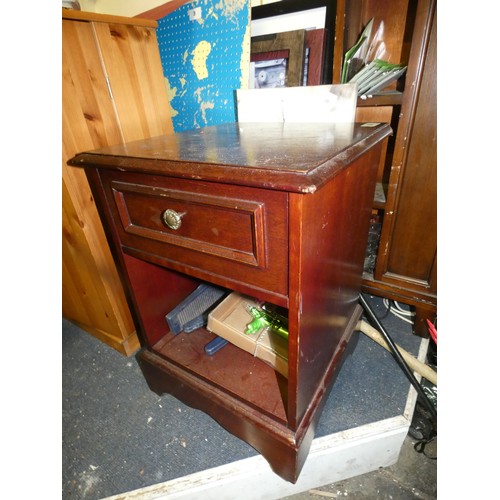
x: 113, y: 90
x: 81, y: 15
x: 131, y: 59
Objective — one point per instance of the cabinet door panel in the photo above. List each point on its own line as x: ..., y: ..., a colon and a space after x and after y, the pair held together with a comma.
x: 89, y: 120
x: 92, y: 293
x: 413, y: 241
x: 113, y: 90
x: 133, y: 67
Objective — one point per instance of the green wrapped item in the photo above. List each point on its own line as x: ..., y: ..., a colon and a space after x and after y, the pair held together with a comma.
x: 275, y: 322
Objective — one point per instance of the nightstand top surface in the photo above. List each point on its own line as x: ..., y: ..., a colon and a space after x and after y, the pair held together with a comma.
x: 285, y: 156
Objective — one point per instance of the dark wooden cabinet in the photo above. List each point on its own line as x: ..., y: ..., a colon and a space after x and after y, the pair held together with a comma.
x: 279, y: 212
x: 406, y: 262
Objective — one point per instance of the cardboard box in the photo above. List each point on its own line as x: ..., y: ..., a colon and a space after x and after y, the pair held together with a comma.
x: 229, y: 320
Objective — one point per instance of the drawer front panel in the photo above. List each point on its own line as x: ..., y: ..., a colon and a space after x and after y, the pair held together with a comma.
x: 225, y: 227
x: 228, y: 230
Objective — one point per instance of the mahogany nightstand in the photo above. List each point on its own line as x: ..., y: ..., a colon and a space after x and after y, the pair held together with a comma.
x: 279, y: 212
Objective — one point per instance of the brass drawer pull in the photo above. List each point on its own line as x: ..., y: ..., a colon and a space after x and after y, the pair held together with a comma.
x: 172, y: 219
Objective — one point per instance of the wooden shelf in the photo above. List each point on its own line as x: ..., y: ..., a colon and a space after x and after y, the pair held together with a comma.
x: 388, y: 98
x: 250, y: 380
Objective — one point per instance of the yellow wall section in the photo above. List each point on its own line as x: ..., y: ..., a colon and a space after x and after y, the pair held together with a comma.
x: 128, y: 8
x: 199, y: 60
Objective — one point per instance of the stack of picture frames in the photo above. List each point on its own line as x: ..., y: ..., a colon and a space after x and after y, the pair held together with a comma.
x: 292, y: 43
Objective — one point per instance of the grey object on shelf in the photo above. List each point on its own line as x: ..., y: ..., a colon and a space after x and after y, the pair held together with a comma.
x: 192, y: 312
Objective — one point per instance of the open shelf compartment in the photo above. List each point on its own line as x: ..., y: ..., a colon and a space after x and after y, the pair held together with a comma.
x: 232, y: 370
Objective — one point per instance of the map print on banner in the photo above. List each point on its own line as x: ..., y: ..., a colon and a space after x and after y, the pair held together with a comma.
x: 205, y: 60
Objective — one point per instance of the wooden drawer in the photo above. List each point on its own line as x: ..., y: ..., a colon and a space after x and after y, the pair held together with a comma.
x: 211, y: 228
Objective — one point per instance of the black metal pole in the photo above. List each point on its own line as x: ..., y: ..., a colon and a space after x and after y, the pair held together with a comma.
x: 397, y: 356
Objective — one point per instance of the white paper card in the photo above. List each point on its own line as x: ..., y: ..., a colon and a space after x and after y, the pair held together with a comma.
x: 310, y: 104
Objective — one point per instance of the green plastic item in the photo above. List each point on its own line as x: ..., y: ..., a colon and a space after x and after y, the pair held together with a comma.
x: 266, y: 319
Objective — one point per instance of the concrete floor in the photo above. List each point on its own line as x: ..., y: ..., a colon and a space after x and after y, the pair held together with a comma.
x: 413, y: 476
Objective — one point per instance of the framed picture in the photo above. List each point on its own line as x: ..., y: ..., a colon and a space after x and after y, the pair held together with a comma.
x: 277, y: 60
x: 296, y: 15
x: 268, y: 69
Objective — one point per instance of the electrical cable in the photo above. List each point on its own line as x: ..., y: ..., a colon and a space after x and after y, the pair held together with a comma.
x: 388, y: 309
x: 407, y: 371
x: 399, y: 311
